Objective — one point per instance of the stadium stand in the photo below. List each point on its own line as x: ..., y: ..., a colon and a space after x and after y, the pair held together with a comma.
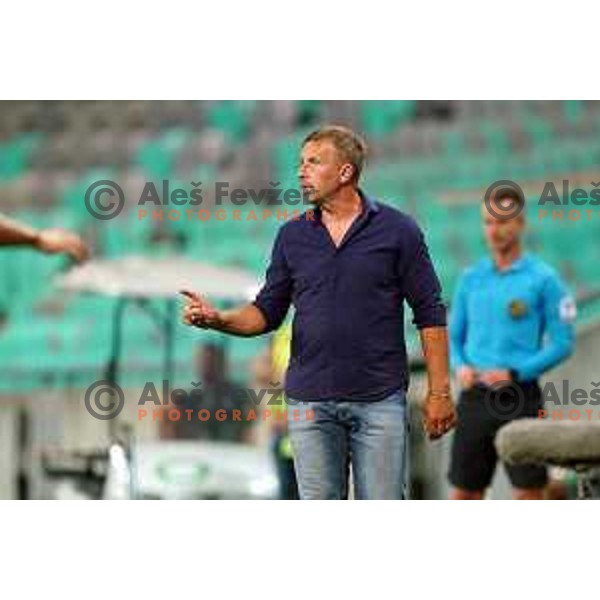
x: 433, y: 160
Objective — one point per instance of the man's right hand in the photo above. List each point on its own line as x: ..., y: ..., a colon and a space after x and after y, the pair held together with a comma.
x: 200, y: 313
x: 55, y: 240
x: 466, y: 377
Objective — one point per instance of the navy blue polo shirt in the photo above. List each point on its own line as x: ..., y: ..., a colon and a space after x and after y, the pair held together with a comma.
x: 348, y: 328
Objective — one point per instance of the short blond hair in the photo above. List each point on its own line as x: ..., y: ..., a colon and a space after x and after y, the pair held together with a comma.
x: 348, y: 143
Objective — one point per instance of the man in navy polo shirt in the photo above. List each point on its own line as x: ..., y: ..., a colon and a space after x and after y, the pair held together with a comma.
x: 347, y: 266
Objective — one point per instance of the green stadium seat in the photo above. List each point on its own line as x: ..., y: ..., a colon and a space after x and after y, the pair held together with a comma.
x: 496, y: 137
x: 540, y: 130
x: 381, y: 117
x: 572, y: 110
x: 157, y: 157
x: 15, y: 154
x: 233, y: 117
x: 285, y: 156
x: 454, y: 143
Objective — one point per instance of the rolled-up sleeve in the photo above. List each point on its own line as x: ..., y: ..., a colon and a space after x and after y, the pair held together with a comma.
x: 275, y: 297
x: 421, y: 285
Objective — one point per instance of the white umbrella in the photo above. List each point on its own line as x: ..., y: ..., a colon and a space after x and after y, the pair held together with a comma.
x: 146, y: 277
x: 139, y: 278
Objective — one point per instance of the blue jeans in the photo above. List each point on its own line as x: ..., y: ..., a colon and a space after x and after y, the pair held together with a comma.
x: 373, y: 436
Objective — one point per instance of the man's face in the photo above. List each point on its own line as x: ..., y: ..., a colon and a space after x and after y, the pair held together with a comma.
x: 501, y: 235
x: 321, y: 171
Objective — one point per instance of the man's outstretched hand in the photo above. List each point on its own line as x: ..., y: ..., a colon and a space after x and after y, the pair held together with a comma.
x: 53, y: 241
x: 199, y: 313
x: 439, y: 415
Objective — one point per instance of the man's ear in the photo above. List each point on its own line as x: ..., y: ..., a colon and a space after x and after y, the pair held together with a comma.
x: 346, y: 173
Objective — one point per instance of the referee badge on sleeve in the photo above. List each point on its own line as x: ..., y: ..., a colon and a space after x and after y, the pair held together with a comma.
x: 517, y: 309
x: 567, y: 309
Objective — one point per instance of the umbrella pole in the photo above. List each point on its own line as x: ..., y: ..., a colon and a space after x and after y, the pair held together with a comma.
x: 169, y: 338
x: 112, y: 369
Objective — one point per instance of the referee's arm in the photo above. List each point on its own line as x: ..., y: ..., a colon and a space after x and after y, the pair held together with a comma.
x: 458, y: 327
x: 559, y: 330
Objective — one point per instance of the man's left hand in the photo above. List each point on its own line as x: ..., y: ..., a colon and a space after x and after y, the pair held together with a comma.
x: 439, y: 415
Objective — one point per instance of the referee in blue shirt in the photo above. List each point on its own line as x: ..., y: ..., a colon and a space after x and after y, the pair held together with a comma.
x: 347, y: 265
x: 512, y: 320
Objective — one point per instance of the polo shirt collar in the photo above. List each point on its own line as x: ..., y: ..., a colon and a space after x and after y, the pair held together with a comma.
x: 519, y: 264
x: 368, y: 202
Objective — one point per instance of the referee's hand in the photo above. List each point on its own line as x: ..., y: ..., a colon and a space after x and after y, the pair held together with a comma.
x: 439, y: 415
x: 467, y: 376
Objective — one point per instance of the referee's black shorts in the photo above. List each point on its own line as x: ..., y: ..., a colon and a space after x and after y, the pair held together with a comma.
x: 481, y: 412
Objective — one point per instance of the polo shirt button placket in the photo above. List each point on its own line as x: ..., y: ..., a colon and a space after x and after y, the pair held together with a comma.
x: 334, y: 337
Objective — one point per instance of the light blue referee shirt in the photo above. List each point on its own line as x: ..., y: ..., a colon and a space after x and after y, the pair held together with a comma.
x: 520, y: 318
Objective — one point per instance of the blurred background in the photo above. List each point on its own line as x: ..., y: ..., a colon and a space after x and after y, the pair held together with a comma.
x: 432, y: 159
